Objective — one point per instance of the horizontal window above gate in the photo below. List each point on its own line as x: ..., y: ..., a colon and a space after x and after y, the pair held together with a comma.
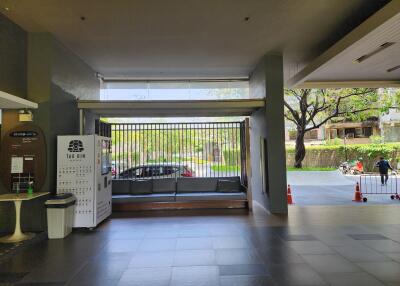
x: 182, y: 108
x: 174, y: 90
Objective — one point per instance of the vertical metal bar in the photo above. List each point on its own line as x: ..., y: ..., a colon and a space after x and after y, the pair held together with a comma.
x: 131, y: 126
x: 215, y: 126
x: 119, y: 148
x: 81, y: 122
x: 208, y: 130
x: 237, y: 150
x: 186, y: 144
x: 228, y: 145
x: 216, y: 129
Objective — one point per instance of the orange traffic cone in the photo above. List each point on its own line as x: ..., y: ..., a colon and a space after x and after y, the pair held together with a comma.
x: 357, y: 194
x: 289, y: 196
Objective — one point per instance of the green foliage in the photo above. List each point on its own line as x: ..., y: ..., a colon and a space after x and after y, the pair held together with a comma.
x: 334, y: 141
x: 372, y: 151
x: 124, y: 155
x: 376, y: 139
x: 354, y: 104
x: 231, y: 157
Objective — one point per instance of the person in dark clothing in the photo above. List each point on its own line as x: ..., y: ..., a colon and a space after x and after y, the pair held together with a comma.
x: 384, y: 167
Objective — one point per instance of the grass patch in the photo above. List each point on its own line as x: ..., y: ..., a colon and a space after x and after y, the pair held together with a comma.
x: 311, y: 169
x: 223, y: 168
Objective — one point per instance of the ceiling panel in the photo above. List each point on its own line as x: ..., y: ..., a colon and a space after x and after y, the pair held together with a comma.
x: 191, y: 38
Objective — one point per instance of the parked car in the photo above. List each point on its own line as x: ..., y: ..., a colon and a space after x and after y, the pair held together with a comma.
x: 162, y: 170
x: 113, y: 169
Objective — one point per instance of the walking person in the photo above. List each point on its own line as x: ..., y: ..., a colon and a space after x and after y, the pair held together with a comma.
x: 384, y: 167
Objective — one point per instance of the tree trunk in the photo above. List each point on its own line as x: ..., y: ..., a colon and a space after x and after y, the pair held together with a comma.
x: 300, y: 149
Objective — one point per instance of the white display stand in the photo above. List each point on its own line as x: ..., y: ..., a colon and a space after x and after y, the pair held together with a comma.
x: 18, y: 235
x: 83, y: 169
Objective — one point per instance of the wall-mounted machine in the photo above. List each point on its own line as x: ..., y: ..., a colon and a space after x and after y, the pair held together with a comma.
x: 84, y: 169
x: 23, y: 157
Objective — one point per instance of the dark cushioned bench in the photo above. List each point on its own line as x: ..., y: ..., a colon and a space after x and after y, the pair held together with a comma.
x: 144, y: 190
x: 178, y: 190
x: 204, y: 189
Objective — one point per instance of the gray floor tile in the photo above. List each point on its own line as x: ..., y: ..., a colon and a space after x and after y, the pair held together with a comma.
x: 353, y: 279
x: 195, y: 275
x: 374, y: 236
x: 382, y: 245
x: 246, y: 269
x: 295, y: 274
x: 360, y: 253
x: 152, y: 259
x: 330, y: 263
x: 279, y: 255
x: 123, y: 245
x: 146, y: 276
x: 385, y: 271
x: 394, y: 256
x: 310, y: 247
x: 299, y: 237
x: 194, y: 257
x: 194, y: 243
x: 230, y: 242
x: 236, y: 256
x: 247, y: 280
x: 157, y: 244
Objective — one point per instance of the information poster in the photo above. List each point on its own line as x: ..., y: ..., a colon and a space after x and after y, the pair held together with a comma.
x: 17, y: 165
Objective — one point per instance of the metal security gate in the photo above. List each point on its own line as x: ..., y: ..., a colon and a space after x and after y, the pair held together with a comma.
x: 207, y: 149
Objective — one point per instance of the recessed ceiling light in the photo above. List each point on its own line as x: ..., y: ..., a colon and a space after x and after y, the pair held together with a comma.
x: 393, y: 68
x: 6, y: 8
x: 374, y: 52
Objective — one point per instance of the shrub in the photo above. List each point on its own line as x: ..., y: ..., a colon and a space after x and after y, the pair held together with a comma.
x: 376, y: 139
x: 231, y: 157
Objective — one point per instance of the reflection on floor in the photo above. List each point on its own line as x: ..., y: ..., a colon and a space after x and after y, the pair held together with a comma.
x: 338, y: 245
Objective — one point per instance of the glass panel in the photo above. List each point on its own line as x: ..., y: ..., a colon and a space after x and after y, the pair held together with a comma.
x: 186, y: 90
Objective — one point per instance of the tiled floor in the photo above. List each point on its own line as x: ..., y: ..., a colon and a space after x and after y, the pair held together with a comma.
x: 311, y: 246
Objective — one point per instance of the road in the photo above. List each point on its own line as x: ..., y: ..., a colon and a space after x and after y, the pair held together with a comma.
x: 333, y: 188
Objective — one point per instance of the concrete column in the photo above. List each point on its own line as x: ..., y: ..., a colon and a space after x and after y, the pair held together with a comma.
x: 267, y: 81
x: 274, y: 116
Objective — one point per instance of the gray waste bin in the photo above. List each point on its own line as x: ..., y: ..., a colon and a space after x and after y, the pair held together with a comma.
x: 60, y: 215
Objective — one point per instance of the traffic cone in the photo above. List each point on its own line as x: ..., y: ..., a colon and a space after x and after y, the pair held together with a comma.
x: 357, y: 194
x: 289, y: 196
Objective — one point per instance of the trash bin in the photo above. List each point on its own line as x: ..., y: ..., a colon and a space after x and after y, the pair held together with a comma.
x: 60, y: 215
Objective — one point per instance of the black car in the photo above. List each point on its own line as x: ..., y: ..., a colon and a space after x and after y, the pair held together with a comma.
x: 157, y: 170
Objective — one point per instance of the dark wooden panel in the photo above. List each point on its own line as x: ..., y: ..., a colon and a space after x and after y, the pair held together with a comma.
x: 234, y: 204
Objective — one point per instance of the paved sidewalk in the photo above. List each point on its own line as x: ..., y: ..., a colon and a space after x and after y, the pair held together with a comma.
x: 329, y: 188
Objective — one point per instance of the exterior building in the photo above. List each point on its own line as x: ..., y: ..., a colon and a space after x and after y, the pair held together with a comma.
x: 354, y: 132
x: 390, y: 126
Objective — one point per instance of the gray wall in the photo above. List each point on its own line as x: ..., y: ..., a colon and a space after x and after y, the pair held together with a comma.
x: 13, y: 71
x: 258, y: 131
x: 266, y: 82
x: 55, y: 79
x: 13, y: 61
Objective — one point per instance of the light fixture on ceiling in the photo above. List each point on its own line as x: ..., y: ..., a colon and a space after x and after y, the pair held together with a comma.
x: 374, y: 52
x: 393, y: 68
x: 7, y: 9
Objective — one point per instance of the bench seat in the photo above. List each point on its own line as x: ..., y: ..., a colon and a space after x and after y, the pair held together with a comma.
x: 119, y: 199
x: 207, y: 196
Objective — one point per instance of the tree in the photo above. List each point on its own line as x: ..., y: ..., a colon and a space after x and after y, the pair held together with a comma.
x: 309, y: 109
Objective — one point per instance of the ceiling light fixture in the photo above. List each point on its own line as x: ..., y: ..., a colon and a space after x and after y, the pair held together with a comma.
x: 393, y: 68
x: 6, y: 8
x: 379, y: 49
